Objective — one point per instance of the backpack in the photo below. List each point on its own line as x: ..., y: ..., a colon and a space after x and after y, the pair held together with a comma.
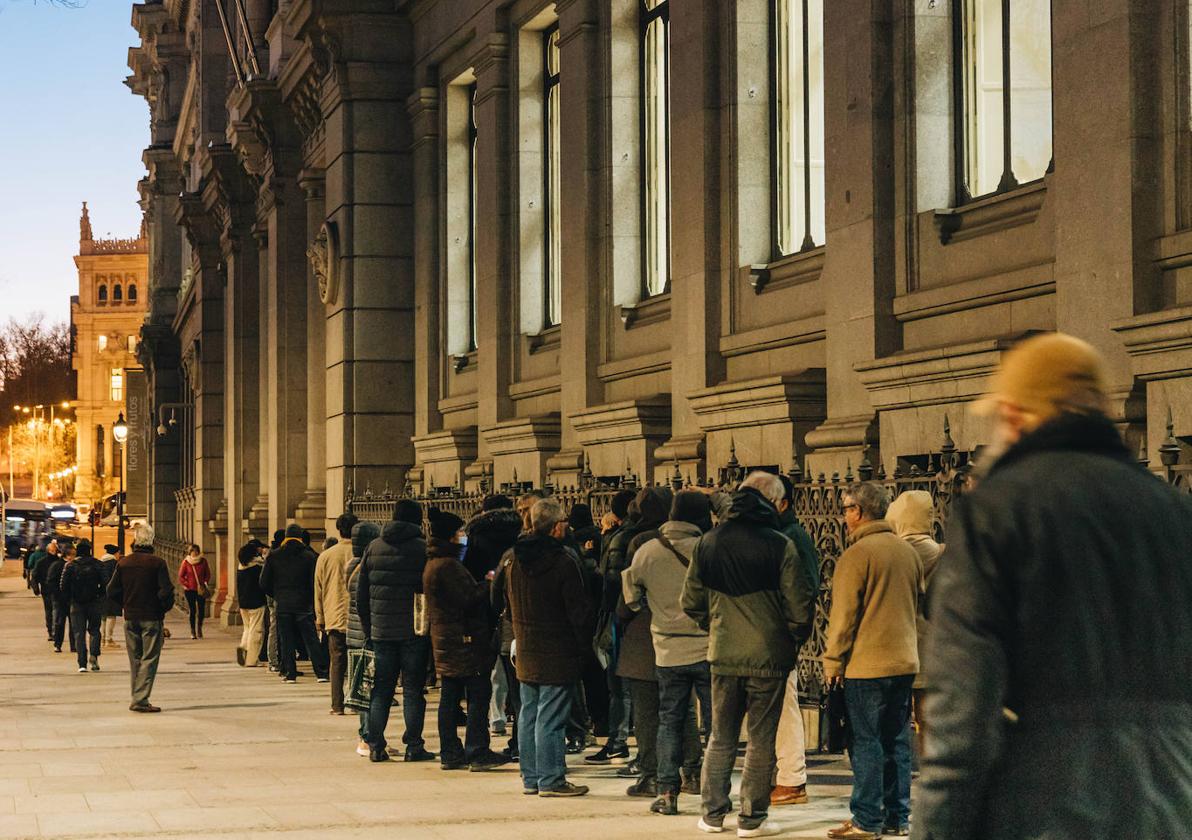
x: 87, y: 583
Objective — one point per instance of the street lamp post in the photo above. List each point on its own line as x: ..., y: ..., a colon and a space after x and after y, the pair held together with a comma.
x: 120, y: 433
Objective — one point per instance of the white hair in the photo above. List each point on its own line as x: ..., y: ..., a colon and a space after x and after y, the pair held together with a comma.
x: 545, y: 515
x: 768, y: 484
x: 143, y: 533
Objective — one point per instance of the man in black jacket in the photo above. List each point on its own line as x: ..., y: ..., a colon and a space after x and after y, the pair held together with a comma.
x: 51, y: 586
x: 1059, y: 679
x: 38, y: 564
x: 389, y: 578
x: 141, y: 586
x: 84, y: 585
x: 289, y: 578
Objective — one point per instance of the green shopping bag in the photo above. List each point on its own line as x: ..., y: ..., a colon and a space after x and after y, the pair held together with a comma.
x: 361, y: 666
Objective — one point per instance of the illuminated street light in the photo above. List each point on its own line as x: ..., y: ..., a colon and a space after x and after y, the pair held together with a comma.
x: 120, y: 433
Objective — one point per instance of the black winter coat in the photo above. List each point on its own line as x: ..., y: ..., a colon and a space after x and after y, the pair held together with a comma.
x: 461, y: 628
x: 249, y: 594
x: 289, y: 577
x: 490, y: 535
x: 83, y: 581
x: 390, y: 575
x: 1063, y: 596
x: 52, y: 582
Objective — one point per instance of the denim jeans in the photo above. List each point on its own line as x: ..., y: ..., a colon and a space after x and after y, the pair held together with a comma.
x: 620, y: 710
x: 678, y: 737
x: 733, y: 698
x: 542, y: 743
x: 85, y: 619
x: 879, y: 716
x: 452, y: 690
x: 408, y: 658
x: 291, y: 626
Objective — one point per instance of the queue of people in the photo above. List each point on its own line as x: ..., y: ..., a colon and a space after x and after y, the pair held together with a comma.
x: 1023, y: 649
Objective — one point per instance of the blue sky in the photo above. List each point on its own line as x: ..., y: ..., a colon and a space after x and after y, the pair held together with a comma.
x: 70, y: 131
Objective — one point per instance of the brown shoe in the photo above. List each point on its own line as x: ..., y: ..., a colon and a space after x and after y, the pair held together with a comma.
x: 788, y: 795
x: 848, y: 831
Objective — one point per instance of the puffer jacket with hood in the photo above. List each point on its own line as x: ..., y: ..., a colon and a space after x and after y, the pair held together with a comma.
x: 912, y: 516
x: 544, y: 588
x: 649, y: 509
x: 490, y: 534
x: 363, y: 533
x: 249, y: 564
x: 390, y: 575
x: 457, y: 605
x: 745, y: 587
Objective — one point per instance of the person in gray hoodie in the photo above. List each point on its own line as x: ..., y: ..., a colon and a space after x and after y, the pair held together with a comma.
x: 656, y: 575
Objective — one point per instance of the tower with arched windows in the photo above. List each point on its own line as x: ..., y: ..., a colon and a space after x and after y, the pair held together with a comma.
x: 106, y: 315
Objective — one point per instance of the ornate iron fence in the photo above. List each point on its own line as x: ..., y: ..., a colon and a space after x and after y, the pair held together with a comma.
x: 817, y: 503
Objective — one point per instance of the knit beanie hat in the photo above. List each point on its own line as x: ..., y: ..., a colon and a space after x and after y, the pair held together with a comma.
x: 497, y: 501
x: 692, y: 507
x: 620, y: 503
x: 443, y: 524
x: 1048, y: 375
x: 408, y: 511
x: 294, y: 531
x: 580, y: 517
x: 362, y: 534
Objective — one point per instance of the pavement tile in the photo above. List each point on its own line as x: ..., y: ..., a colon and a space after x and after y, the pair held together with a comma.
x: 75, y: 824
x: 49, y: 803
x: 18, y: 825
x: 214, y: 818
x: 138, y: 800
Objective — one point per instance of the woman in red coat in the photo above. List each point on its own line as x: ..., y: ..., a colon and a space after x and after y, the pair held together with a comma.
x: 194, y: 576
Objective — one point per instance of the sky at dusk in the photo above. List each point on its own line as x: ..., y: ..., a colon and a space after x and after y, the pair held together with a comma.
x: 70, y: 131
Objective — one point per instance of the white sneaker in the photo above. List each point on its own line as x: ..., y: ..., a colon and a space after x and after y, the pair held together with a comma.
x: 766, y: 829
x: 362, y: 749
x: 82, y: 670
x: 708, y: 828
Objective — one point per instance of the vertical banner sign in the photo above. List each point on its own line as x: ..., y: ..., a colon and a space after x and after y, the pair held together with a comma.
x: 140, y: 426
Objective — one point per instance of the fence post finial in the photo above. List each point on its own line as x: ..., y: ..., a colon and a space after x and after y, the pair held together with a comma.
x: 1169, y: 451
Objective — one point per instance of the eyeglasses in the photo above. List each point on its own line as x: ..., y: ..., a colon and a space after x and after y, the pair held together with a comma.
x: 850, y: 507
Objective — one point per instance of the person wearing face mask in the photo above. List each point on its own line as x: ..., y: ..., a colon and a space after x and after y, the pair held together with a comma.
x: 461, y: 635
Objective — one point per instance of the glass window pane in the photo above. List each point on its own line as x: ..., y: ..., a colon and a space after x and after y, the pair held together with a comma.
x: 982, y: 71
x: 799, y: 109
x: 554, y: 215
x: 657, y: 154
x: 815, y: 66
x: 1030, y: 88
x: 472, y: 134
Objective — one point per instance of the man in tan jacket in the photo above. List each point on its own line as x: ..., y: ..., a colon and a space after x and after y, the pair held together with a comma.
x: 872, y: 650
x: 331, y: 605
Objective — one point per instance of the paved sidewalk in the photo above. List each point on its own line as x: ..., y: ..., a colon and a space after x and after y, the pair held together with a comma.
x: 237, y: 754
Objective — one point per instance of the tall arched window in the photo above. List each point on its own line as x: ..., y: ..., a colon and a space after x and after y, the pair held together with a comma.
x: 1003, y: 94
x: 102, y: 296
x: 552, y: 152
x: 117, y: 294
x: 655, y: 52
x: 799, y: 124
x: 132, y: 293
x: 99, y: 450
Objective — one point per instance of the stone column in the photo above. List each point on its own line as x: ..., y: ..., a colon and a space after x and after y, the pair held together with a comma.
x: 1107, y: 159
x: 257, y: 518
x: 858, y: 274
x: 423, y: 107
x: 312, y: 510
x: 369, y: 207
x: 696, y: 258
x: 284, y: 314
x: 494, y: 311
x: 581, y: 107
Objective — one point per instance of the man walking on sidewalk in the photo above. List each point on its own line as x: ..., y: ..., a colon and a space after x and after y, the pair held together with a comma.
x: 872, y: 649
x: 141, y: 585
x: 83, y: 584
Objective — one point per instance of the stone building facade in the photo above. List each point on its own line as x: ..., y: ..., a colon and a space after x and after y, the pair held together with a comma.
x: 424, y: 244
x: 106, y: 318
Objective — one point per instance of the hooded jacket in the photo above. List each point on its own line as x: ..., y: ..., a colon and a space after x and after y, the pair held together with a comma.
x: 490, y: 534
x: 552, y: 622
x: 457, y: 604
x: 389, y: 577
x: 657, y: 575
x: 289, y: 577
x: 54, y: 565
x: 363, y: 533
x: 648, y: 511
x: 744, y: 586
x: 83, y: 581
x: 1063, y: 598
x: 912, y: 516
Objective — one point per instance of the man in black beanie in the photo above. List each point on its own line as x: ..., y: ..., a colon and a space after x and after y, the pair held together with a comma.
x: 461, y: 633
x: 390, y: 576
x: 289, y: 578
